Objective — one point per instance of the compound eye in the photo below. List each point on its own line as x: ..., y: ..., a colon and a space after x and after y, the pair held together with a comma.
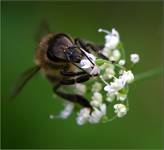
x: 55, y: 56
x: 74, y: 54
x: 50, y: 55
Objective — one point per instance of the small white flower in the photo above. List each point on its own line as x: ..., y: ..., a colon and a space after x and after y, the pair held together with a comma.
x: 97, y: 114
x: 92, y: 57
x: 89, y: 55
x: 96, y: 87
x: 67, y: 110
x: 121, y: 97
x: 109, y: 89
x: 95, y: 70
x: 134, y: 58
x: 80, y: 88
x: 83, y: 116
x: 96, y: 99
x: 106, y: 52
x: 97, y: 96
x: 121, y: 62
x: 115, y: 55
x: 95, y: 103
x: 111, y: 39
x: 109, y: 72
x: 120, y: 110
x: 127, y: 76
x: 88, y: 66
x: 85, y: 64
x: 51, y: 116
x: 115, y: 86
x: 81, y: 120
x: 103, y: 109
x: 110, y: 97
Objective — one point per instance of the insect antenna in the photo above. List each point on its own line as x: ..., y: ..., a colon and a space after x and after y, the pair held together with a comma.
x: 85, y: 53
x: 68, y: 59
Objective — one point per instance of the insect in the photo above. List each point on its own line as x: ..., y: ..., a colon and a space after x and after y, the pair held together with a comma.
x: 57, y: 57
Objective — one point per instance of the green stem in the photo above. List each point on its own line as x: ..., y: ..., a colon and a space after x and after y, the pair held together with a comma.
x: 127, y: 104
x: 148, y: 74
x: 111, y: 119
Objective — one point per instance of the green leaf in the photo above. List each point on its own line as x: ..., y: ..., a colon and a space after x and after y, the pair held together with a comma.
x: 100, y: 62
x: 125, y: 90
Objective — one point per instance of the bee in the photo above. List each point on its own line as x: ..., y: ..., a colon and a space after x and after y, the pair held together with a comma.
x: 58, y: 56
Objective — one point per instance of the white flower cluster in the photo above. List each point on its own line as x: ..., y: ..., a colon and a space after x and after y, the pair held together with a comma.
x: 85, y: 115
x: 119, y: 83
x: 67, y: 110
x: 111, y: 86
x: 112, y: 40
x: 120, y: 110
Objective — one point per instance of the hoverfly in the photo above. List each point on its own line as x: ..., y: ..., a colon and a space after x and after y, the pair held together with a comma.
x: 58, y: 56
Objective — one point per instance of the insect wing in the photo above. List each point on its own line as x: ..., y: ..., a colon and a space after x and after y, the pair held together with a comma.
x: 22, y: 80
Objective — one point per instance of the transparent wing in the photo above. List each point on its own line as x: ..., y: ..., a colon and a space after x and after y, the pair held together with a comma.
x: 42, y: 30
x: 22, y: 80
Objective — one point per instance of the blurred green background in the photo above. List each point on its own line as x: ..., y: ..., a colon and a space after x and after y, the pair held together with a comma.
x: 25, y: 122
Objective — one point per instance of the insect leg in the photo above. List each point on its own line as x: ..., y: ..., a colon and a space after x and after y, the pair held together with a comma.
x: 81, y: 44
x: 89, y: 46
x: 71, y: 74
x: 80, y: 79
x: 75, y: 98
